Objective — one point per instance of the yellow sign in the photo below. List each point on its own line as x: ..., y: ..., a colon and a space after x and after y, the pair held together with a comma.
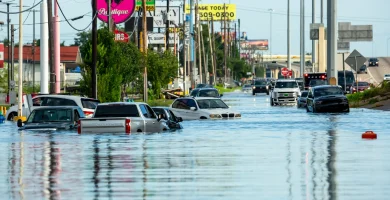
x: 216, y: 11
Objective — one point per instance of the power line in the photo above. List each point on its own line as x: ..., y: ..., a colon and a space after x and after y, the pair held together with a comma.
x: 70, y: 23
x: 22, y: 10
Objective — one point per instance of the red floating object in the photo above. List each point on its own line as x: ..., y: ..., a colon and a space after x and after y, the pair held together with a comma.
x: 369, y: 135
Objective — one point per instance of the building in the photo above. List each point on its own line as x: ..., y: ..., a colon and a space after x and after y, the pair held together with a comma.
x: 70, y: 58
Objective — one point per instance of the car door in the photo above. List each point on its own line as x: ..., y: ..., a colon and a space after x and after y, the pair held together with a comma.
x: 156, y: 125
x: 192, y: 114
x: 150, y: 119
x: 179, y: 108
x: 309, y: 100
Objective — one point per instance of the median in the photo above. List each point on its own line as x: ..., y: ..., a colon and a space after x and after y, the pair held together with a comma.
x: 374, y: 98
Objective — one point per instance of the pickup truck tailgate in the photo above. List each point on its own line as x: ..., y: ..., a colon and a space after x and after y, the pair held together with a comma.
x: 108, y: 125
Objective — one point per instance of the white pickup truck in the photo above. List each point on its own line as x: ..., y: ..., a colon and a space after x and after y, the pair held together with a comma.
x: 122, y: 117
x: 286, y: 91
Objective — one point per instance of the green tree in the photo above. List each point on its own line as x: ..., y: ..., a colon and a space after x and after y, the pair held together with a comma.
x: 62, y: 43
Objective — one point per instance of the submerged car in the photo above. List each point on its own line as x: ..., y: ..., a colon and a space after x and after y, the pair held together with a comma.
x: 301, y: 102
x: 327, y: 98
x: 205, y: 92
x: 247, y: 88
x: 53, y: 118
x: 172, y: 121
x: 190, y: 108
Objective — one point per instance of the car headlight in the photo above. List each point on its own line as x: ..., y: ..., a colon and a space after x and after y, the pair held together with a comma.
x: 266, y: 87
x: 237, y: 115
x: 254, y: 87
x: 215, y: 116
x: 294, y: 94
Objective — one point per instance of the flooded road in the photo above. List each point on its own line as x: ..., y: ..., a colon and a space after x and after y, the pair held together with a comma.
x: 271, y: 153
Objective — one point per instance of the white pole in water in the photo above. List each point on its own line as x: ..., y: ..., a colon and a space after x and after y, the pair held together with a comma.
x: 20, y: 84
x: 44, y: 50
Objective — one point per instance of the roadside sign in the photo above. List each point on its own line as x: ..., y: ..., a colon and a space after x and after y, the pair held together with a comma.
x: 355, y: 60
x: 215, y: 11
x: 150, y: 5
x: 159, y: 16
x: 285, y: 71
x: 121, y: 36
x: 290, y: 73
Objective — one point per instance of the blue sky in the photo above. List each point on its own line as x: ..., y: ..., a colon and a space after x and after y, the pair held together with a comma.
x: 255, y: 20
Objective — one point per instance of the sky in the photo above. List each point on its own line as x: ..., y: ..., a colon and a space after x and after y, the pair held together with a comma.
x: 254, y: 16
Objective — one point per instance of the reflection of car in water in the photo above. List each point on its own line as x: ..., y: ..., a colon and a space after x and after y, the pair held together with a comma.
x: 327, y: 98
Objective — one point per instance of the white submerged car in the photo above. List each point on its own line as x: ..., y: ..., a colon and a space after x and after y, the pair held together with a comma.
x: 189, y: 108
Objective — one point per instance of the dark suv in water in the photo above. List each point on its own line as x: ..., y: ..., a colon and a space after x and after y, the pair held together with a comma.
x: 260, y: 86
x: 327, y: 98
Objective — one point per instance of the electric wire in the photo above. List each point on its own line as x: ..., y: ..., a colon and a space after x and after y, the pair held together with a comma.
x: 23, y: 10
x: 26, y: 17
x: 66, y: 19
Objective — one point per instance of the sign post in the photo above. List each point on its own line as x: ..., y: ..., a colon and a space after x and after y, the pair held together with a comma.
x: 354, y: 60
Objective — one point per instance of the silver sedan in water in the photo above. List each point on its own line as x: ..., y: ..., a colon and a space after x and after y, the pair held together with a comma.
x: 247, y: 88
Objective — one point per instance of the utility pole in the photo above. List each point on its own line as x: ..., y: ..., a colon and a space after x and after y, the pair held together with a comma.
x: 224, y: 42
x: 270, y: 33
x: 109, y: 15
x: 205, y: 64
x: 184, y: 48
x: 145, y: 47
x: 192, y: 47
x: 94, y: 50
x: 211, y: 51
x: 235, y: 40
x: 12, y: 74
x: 288, y: 36
x: 331, y: 40
x: 213, y: 47
x: 302, y: 33
x: 51, y: 46
x: 33, y: 51
x: 167, y: 27
x: 20, y: 78
x: 313, y: 42
x: 322, y: 11
x: 239, y: 38
x: 198, y: 42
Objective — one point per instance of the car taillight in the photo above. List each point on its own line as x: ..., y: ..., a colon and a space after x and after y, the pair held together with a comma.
x: 86, y: 113
x: 128, y: 126
x: 79, y: 127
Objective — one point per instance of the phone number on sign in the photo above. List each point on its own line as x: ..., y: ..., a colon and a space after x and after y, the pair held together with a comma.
x: 217, y: 15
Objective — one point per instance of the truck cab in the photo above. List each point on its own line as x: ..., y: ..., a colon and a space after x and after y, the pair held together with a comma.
x: 286, y: 91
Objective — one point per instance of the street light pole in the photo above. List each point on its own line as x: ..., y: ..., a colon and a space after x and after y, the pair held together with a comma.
x: 270, y: 33
x: 288, y: 35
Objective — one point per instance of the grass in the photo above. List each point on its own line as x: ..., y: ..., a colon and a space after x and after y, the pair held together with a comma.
x: 370, y: 96
x: 222, y: 90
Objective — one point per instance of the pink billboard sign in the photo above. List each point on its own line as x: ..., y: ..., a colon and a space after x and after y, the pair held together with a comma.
x: 121, y: 10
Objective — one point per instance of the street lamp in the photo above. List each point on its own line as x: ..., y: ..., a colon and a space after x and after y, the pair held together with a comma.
x: 270, y: 33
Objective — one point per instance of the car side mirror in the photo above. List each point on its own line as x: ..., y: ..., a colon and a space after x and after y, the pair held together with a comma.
x: 221, y: 95
x: 179, y: 119
x: 20, y: 123
x: 193, y: 108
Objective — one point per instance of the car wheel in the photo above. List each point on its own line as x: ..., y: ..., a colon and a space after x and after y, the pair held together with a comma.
x: 11, y: 116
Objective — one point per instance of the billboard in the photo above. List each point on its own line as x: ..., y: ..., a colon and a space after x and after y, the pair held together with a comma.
x: 121, y: 10
x: 159, y: 19
x: 215, y: 11
x: 1, y: 55
x: 159, y: 38
x: 254, y: 45
x: 149, y: 5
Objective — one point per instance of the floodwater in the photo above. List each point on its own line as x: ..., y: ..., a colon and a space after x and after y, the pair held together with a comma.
x: 271, y: 153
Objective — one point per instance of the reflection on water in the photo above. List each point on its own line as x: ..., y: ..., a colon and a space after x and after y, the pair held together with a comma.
x: 272, y: 152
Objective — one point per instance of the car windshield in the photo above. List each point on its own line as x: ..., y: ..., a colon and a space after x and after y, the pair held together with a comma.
x: 373, y: 59
x: 208, y: 93
x: 90, y: 103
x: 317, y: 82
x: 304, y: 94
x: 387, y: 75
x: 362, y: 84
x: 286, y: 84
x: 260, y: 82
x: 211, y: 103
x: 327, y: 91
x: 50, y: 115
